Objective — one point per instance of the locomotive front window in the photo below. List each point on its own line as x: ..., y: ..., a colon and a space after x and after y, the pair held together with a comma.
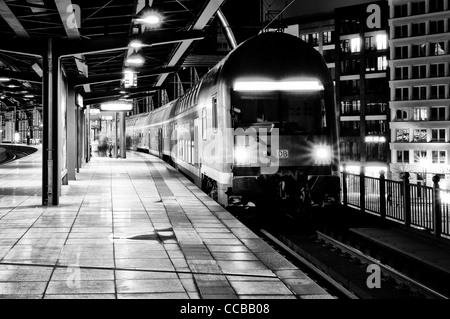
x: 293, y: 112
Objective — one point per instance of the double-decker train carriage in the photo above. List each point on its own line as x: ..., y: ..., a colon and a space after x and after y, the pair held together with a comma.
x: 259, y: 126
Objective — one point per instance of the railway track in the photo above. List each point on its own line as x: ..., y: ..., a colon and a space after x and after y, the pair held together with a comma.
x: 346, y: 269
x: 16, y: 152
x: 337, y: 265
x: 331, y: 285
x: 390, y: 273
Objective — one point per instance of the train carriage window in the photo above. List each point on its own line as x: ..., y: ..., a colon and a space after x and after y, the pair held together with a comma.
x: 204, y: 123
x: 214, y: 113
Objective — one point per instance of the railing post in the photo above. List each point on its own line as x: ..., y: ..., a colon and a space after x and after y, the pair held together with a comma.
x: 406, y: 198
x: 437, y: 213
x: 382, y: 195
x: 344, y: 185
x: 362, y: 190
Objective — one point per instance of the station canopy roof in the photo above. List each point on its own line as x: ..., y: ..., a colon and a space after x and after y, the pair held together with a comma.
x: 94, y: 36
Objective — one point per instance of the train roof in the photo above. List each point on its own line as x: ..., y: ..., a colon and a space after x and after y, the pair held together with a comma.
x: 276, y: 55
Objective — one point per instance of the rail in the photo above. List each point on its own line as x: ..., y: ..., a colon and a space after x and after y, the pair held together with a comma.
x: 414, y: 205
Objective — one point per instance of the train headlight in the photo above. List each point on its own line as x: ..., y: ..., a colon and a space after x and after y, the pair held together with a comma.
x: 322, y: 154
x: 241, y: 156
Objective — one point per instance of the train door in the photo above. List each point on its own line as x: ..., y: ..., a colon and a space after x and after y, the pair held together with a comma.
x: 160, y: 143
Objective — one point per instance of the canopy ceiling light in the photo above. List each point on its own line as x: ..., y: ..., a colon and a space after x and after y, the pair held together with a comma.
x: 13, y: 84
x: 152, y: 16
x: 136, y: 44
x: 135, y: 59
x: 3, y: 79
x: 116, y: 106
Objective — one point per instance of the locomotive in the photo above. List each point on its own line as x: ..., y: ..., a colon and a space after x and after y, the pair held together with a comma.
x: 259, y: 127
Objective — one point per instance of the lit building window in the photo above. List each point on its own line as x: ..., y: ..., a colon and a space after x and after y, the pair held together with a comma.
x: 437, y: 48
x: 382, y: 63
x: 420, y: 136
x: 402, y: 135
x: 420, y: 114
x: 381, y: 42
x: 355, y: 45
x: 327, y: 38
x: 345, y: 46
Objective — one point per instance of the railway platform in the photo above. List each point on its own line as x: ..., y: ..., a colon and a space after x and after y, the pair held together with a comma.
x: 428, y: 251
x: 133, y: 228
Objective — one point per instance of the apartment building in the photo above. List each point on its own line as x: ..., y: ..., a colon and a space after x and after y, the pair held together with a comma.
x: 362, y: 90
x: 419, y: 88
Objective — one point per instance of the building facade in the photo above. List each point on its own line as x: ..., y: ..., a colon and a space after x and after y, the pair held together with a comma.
x: 362, y: 91
x: 354, y: 43
x: 320, y: 34
x: 419, y: 88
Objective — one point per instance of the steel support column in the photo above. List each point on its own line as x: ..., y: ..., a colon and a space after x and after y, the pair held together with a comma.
x: 50, y: 167
x: 115, y: 135
x: 87, y: 139
x: 71, y: 134
x: 123, y: 142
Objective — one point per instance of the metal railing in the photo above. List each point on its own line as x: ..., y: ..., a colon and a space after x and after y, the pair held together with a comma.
x: 413, y: 205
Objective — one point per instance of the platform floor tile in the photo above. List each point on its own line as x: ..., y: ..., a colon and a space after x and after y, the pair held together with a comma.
x: 133, y: 228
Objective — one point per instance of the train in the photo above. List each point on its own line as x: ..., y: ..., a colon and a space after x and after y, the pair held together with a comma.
x: 260, y: 127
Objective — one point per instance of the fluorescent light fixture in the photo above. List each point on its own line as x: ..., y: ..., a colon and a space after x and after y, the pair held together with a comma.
x: 3, y: 79
x: 28, y: 96
x: 152, y: 19
x: 116, y: 106
x: 123, y: 92
x: 150, y: 15
x: 12, y: 86
x: 94, y: 111
x: 129, y: 71
x: 107, y: 118
x: 135, y: 59
x: 264, y: 86
x: 136, y: 44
